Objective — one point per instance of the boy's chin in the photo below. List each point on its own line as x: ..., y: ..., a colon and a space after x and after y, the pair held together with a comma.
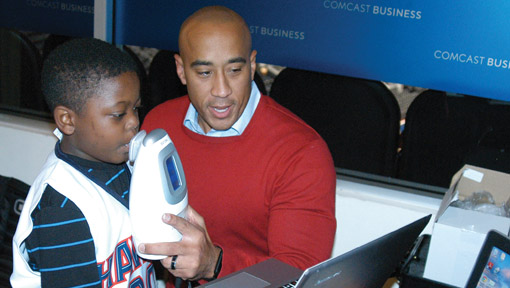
x: 124, y: 160
x: 117, y: 161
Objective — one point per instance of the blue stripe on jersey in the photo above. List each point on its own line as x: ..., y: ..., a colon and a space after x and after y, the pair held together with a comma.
x: 60, y: 246
x: 68, y: 266
x: 125, y: 193
x: 90, y: 170
x: 87, y: 285
x: 64, y: 203
x: 34, y: 267
x: 114, y: 177
x: 59, y: 223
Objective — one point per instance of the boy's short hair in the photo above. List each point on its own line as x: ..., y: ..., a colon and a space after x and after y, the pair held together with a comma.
x: 73, y: 72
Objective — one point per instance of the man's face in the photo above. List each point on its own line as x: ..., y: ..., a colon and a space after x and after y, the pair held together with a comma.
x: 217, y: 66
x: 108, y: 121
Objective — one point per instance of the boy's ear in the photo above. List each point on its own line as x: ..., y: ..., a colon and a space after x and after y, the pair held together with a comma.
x: 65, y: 119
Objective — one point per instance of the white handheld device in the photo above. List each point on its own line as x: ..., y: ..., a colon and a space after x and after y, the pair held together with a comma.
x: 158, y: 186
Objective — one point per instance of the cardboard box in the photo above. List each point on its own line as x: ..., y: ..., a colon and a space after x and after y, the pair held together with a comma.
x: 458, y: 234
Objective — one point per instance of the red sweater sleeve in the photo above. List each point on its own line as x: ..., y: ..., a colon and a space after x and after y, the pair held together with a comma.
x: 302, y: 222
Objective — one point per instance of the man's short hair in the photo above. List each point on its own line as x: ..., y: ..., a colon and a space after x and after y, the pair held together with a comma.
x: 73, y: 72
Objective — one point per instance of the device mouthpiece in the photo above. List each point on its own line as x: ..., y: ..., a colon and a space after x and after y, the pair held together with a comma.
x: 134, y: 145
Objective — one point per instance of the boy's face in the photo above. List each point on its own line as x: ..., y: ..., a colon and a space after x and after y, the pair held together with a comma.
x: 108, y: 122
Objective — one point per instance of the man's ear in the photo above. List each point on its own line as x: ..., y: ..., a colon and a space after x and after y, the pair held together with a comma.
x: 253, y: 63
x: 64, y: 118
x: 180, y: 68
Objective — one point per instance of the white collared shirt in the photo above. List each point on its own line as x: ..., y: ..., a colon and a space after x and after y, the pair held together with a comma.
x: 191, y: 119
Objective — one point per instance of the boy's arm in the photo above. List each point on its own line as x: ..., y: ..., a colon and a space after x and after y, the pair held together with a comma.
x: 60, y: 246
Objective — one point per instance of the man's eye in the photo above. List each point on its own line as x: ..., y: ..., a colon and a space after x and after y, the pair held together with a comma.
x: 204, y: 73
x: 118, y: 115
x: 235, y: 70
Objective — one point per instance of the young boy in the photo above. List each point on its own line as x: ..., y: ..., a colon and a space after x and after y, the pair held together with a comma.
x: 74, y: 230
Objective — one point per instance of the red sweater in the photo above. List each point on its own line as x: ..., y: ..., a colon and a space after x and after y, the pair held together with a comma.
x: 269, y: 192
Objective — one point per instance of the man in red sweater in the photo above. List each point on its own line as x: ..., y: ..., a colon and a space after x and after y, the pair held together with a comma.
x: 262, y: 180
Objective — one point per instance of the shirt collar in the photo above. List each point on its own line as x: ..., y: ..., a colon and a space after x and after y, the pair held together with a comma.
x: 191, y: 119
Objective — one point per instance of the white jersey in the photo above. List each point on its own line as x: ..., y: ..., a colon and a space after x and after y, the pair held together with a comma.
x: 109, y: 225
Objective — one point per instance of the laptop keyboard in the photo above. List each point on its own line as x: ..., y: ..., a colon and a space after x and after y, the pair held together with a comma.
x: 290, y: 285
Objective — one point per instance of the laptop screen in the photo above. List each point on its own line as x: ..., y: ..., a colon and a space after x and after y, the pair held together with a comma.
x: 492, y: 267
x: 497, y: 270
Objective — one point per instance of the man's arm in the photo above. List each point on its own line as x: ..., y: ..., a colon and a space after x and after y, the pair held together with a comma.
x: 302, y: 222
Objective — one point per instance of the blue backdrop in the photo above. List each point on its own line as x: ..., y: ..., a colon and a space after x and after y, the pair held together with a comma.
x: 454, y: 46
x: 69, y: 17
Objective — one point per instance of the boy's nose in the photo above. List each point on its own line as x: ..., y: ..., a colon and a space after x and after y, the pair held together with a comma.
x: 133, y: 122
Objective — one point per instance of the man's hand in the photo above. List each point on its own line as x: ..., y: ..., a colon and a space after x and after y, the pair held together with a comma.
x: 196, y: 254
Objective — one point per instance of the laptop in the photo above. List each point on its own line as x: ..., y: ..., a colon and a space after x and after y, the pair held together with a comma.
x: 492, y: 266
x: 369, y: 265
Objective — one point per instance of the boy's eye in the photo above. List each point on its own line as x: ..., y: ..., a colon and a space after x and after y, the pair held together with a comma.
x: 118, y: 115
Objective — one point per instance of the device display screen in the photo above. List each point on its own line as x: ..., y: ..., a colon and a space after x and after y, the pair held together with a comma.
x: 497, y: 270
x: 173, y: 172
